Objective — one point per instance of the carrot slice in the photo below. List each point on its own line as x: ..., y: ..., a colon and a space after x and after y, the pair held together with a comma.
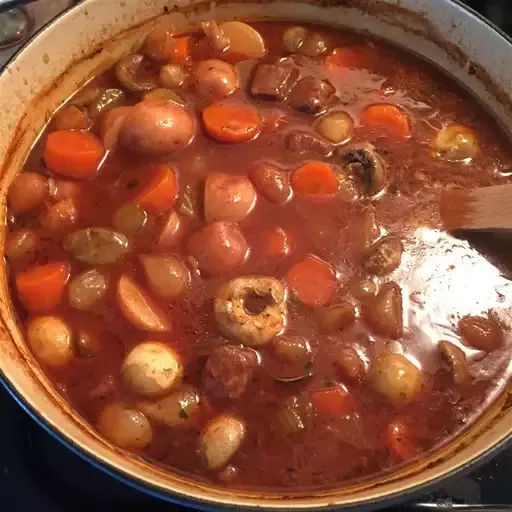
x: 161, y: 192
x: 401, y: 442
x: 331, y: 402
x: 277, y: 243
x: 181, y: 52
x: 232, y: 122
x: 40, y: 287
x: 387, y: 117
x: 313, y: 281
x: 74, y: 154
x: 314, y: 179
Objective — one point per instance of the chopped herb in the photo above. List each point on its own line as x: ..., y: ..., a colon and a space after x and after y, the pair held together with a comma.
x: 308, y: 365
x: 183, y: 414
x: 132, y: 184
x: 329, y: 382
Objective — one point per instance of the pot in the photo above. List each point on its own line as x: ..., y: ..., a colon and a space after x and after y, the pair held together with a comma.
x: 89, y: 38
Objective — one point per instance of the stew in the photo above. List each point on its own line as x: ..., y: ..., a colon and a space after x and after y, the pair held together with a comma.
x: 225, y: 252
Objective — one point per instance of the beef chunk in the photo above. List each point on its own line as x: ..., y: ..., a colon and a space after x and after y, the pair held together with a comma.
x: 274, y: 81
x: 305, y: 142
x: 311, y: 95
x: 228, y: 371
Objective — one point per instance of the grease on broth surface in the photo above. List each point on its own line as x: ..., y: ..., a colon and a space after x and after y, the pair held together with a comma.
x: 226, y: 253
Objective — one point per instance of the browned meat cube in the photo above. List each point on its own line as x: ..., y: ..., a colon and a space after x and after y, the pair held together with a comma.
x: 274, y: 81
x: 228, y: 371
x: 305, y: 142
x: 311, y: 95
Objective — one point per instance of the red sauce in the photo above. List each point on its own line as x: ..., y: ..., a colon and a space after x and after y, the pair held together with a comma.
x: 345, y: 412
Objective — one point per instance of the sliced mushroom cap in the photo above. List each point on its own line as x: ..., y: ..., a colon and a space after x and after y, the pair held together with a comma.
x: 106, y: 98
x: 383, y: 313
x: 138, y: 308
x: 481, y: 333
x: 350, y: 363
x: 384, y: 256
x: 335, y: 317
x: 97, y: 246
x: 251, y: 309
x: 456, y: 358
x: 292, y: 359
x: 136, y: 74
x: 362, y: 161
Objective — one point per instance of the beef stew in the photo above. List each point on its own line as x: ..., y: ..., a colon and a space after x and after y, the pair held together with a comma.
x: 244, y: 279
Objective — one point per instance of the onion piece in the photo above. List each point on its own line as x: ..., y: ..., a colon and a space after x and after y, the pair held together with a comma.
x: 244, y: 40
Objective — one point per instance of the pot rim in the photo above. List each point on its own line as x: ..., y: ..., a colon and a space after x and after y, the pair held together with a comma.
x: 178, y: 498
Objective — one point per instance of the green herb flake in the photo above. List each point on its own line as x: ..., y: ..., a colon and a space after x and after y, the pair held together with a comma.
x: 183, y: 414
x: 308, y: 365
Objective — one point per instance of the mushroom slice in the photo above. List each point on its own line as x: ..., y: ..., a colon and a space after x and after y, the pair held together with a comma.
x: 138, y: 308
x: 97, y: 246
x: 136, y: 74
x: 456, y: 358
x: 383, y: 313
x: 366, y: 164
x: 292, y: 359
x: 251, y: 309
x: 384, y: 256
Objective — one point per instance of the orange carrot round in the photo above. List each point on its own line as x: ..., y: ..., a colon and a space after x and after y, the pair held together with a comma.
x: 232, y: 122
x: 331, y: 402
x: 181, y: 51
x: 277, y: 243
x: 72, y: 153
x: 313, y: 281
x: 314, y: 179
x: 387, y: 117
x: 160, y: 194
x: 40, y: 287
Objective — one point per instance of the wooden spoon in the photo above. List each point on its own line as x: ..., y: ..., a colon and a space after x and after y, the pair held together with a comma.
x: 486, y: 208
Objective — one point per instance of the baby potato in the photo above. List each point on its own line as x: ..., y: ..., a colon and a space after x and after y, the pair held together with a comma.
x: 396, y: 377
x: 127, y: 428
x: 220, y: 439
x: 152, y: 369
x: 50, y: 339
